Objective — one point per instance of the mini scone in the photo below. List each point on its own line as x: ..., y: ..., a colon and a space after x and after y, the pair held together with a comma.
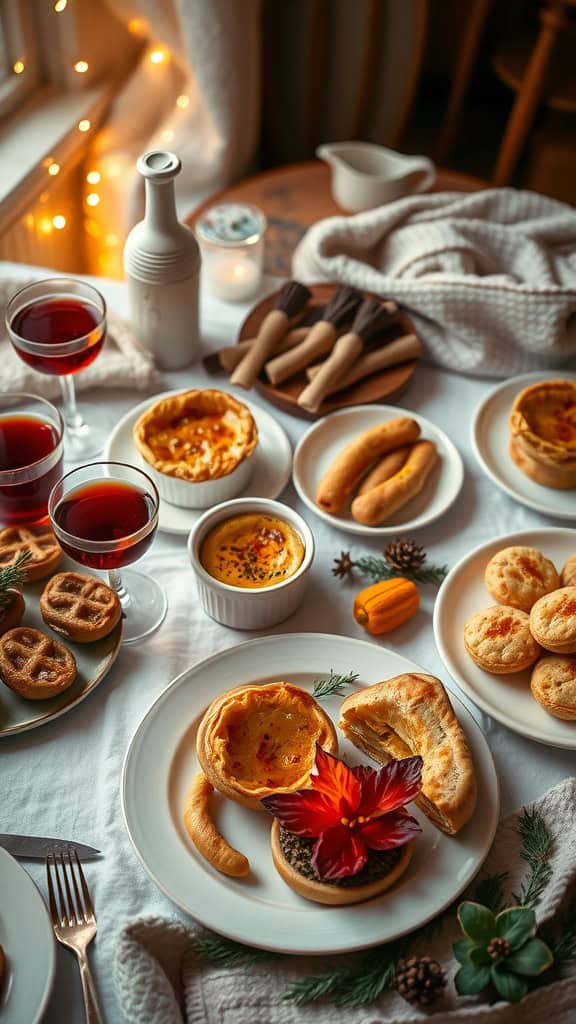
x: 80, y: 608
x: 499, y: 639
x: 383, y: 501
x: 568, y: 573
x: 519, y: 576
x: 553, y: 683
x: 543, y: 433
x: 34, y: 665
x: 412, y: 714
x: 553, y: 621
x: 257, y: 740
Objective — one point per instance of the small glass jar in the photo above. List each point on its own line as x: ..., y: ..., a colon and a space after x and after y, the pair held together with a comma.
x: 231, y: 237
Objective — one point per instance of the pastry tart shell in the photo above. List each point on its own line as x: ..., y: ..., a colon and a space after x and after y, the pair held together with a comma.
x: 543, y: 433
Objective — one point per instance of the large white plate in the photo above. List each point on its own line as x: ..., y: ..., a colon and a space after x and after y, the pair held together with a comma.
x: 322, y: 443
x: 262, y: 910
x: 490, y: 440
x: 28, y: 942
x: 506, y: 698
x: 271, y: 472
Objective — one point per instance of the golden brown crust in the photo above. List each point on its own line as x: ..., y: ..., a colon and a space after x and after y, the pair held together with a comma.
x: 324, y: 892
x: 543, y: 433
x: 518, y: 576
x: 40, y: 541
x: 553, y: 621
x: 568, y: 573
x: 204, y: 834
x: 384, y: 469
x: 257, y: 740
x: 34, y: 665
x: 499, y: 640
x: 81, y: 608
x: 198, y: 435
x: 411, y: 714
x: 553, y: 684
x: 383, y: 501
x: 12, y: 612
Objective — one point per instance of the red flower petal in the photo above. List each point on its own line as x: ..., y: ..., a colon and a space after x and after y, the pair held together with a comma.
x: 339, y: 853
x: 389, y: 830
x: 305, y: 813
x: 337, y: 782
x: 389, y: 788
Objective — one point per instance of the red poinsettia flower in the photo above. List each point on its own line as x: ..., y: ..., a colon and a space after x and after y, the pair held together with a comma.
x: 350, y: 811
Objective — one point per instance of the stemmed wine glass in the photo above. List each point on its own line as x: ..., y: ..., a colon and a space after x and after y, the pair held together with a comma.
x: 105, y: 516
x: 58, y: 327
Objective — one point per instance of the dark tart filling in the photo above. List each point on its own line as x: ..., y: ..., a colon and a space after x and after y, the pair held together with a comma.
x: 298, y: 852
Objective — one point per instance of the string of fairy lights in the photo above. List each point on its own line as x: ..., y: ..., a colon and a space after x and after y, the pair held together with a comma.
x: 157, y: 56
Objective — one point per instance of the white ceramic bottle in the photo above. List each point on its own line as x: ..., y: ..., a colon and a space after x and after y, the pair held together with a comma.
x: 162, y: 264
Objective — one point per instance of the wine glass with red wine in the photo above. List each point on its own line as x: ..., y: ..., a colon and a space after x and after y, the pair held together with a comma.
x: 31, y: 455
x: 105, y: 516
x: 58, y: 327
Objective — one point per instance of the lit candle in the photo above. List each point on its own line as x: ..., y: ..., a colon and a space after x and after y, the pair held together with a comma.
x: 231, y: 237
x: 232, y: 278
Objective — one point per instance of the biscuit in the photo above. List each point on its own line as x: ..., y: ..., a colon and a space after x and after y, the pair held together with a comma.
x: 553, y: 621
x: 34, y: 665
x: 499, y: 640
x: 519, y: 576
x: 40, y: 541
x: 568, y: 573
x: 80, y: 608
x: 553, y: 683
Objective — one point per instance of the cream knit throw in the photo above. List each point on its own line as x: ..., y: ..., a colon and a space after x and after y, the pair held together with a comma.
x: 158, y: 979
x: 489, y: 278
x: 122, y: 363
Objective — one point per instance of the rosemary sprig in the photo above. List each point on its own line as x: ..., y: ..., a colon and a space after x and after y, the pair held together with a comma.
x: 333, y: 686
x: 351, y: 986
x: 13, y: 575
x: 537, y: 843
x: 377, y: 569
x: 228, y: 953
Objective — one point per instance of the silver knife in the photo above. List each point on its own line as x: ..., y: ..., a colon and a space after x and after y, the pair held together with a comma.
x: 38, y: 847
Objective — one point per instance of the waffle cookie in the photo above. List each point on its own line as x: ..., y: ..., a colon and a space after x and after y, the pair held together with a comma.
x: 81, y: 608
x: 40, y: 541
x: 34, y: 665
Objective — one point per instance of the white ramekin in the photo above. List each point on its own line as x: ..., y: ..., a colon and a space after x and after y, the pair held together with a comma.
x: 237, y: 606
x: 206, y: 493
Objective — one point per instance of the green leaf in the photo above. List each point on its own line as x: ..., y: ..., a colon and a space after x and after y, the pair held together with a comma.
x: 533, y: 958
x: 461, y: 950
x: 509, y: 987
x: 477, y: 922
x: 470, y: 980
x: 479, y: 957
x: 516, y: 924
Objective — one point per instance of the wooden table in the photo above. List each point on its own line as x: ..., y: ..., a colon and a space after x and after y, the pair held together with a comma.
x: 296, y: 196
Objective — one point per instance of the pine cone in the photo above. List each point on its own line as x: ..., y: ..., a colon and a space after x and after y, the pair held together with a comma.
x: 404, y: 554
x: 419, y: 980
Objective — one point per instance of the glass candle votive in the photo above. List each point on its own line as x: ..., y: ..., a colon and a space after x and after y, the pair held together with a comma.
x: 31, y: 455
x: 231, y: 237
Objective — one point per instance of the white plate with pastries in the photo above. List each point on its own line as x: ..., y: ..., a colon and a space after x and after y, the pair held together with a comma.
x: 270, y: 474
x: 322, y: 444
x: 507, y: 698
x: 491, y: 439
x: 261, y: 909
x: 27, y: 939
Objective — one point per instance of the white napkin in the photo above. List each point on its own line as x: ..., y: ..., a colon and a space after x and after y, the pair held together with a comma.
x: 159, y: 980
x: 489, y: 278
x: 122, y: 363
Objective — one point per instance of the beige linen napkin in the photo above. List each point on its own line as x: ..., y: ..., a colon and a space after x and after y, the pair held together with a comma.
x: 122, y: 363
x: 489, y: 278
x: 159, y: 980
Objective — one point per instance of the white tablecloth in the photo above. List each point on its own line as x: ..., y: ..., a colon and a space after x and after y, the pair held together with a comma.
x: 64, y: 778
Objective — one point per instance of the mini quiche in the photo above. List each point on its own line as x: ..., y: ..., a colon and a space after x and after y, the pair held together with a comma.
x: 543, y: 433
x: 254, y: 741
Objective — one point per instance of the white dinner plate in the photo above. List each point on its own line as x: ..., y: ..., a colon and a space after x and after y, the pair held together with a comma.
x: 507, y: 698
x: 490, y: 440
x: 27, y: 939
x: 271, y: 472
x: 262, y: 910
x: 323, y: 442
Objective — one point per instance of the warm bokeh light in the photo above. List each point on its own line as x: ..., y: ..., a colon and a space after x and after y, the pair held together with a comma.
x: 81, y: 66
x: 182, y: 102
x: 60, y: 6
x: 45, y: 226
x: 92, y: 199
x: 18, y: 67
x: 59, y: 221
x: 158, y: 56
x: 84, y: 125
x: 93, y: 177
x: 167, y: 135
x: 54, y: 169
x: 111, y: 239
x: 136, y: 26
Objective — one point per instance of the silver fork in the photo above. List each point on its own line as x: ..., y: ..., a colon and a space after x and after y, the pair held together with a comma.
x: 73, y: 919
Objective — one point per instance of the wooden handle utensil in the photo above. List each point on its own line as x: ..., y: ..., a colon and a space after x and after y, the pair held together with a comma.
x: 292, y: 298
x: 228, y: 358
x: 401, y: 350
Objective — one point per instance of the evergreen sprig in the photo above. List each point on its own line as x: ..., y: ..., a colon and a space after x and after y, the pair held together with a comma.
x: 228, y: 953
x: 333, y: 686
x: 537, y: 843
x: 13, y: 575
x: 377, y: 569
x: 564, y: 948
x: 348, y: 986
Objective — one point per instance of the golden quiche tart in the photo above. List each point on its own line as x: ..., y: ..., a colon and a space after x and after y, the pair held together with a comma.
x: 196, y: 435
x: 257, y: 740
x: 543, y: 433
x: 252, y: 550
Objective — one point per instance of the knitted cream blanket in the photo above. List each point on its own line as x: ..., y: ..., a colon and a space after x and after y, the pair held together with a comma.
x: 489, y: 278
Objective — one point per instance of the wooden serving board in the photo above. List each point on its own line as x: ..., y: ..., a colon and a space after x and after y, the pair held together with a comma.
x: 386, y: 384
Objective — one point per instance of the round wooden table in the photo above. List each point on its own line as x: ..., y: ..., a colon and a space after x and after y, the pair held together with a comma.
x: 296, y: 196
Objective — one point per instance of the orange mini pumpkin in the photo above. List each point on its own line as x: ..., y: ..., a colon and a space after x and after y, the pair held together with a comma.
x: 385, y: 605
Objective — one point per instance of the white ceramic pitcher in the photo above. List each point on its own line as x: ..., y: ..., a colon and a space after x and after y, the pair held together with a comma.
x: 365, y: 175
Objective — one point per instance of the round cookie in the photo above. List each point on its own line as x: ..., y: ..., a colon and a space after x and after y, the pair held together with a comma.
x: 519, y: 576
x: 34, y: 665
x: 499, y: 640
x: 553, y: 621
x: 80, y: 608
x: 568, y: 573
x: 553, y: 683
x: 40, y: 541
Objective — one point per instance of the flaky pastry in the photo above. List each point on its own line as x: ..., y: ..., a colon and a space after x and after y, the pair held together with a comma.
x: 543, y: 433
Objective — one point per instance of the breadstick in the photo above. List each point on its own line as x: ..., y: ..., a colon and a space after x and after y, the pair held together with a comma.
x: 204, y: 834
x: 401, y: 350
x: 342, y: 476
x: 377, y: 505
x: 384, y: 469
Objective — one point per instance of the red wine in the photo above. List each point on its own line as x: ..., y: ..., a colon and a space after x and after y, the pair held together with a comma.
x: 26, y: 441
x: 56, y: 322
x: 107, y: 511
